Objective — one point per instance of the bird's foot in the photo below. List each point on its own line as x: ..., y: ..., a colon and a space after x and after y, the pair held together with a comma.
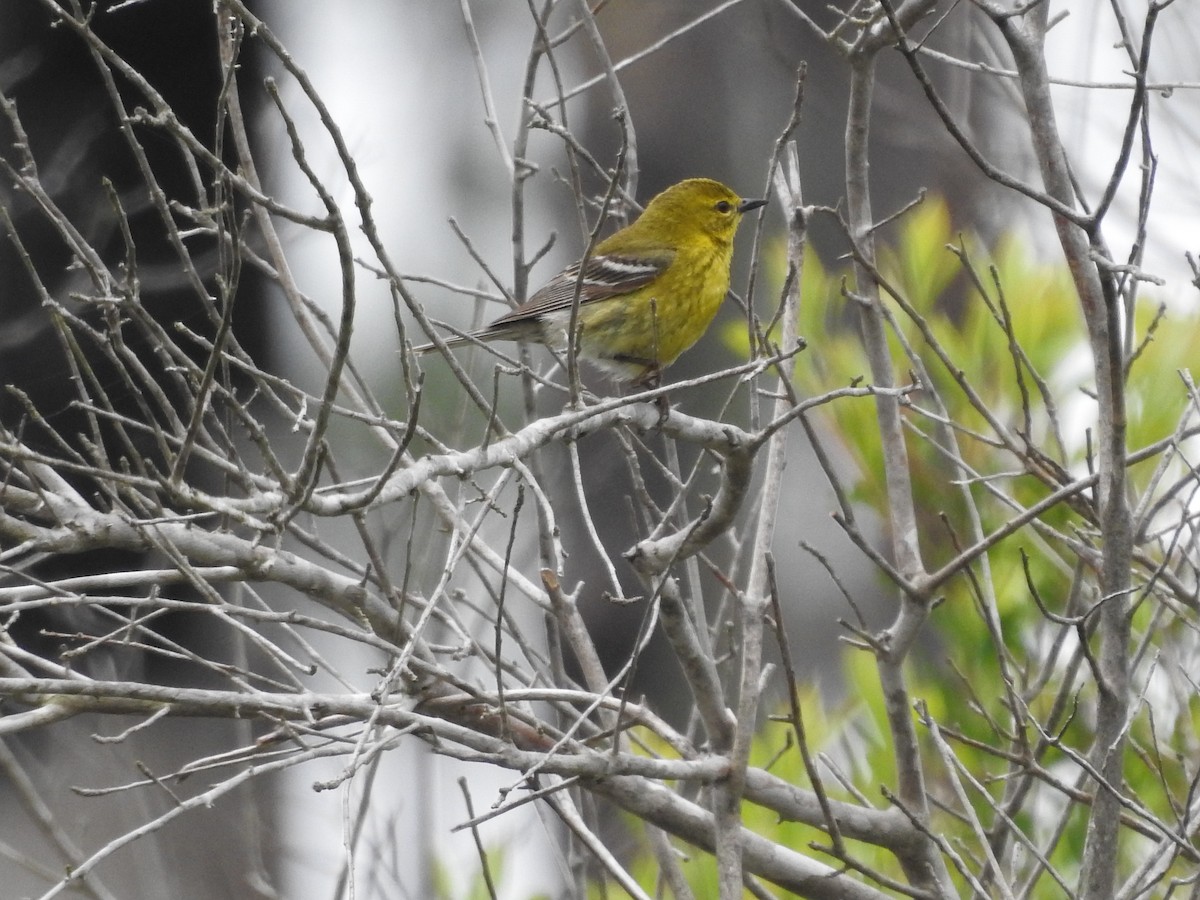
x: 663, y: 403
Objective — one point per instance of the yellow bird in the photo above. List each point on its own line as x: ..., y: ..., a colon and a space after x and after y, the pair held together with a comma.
x: 646, y: 294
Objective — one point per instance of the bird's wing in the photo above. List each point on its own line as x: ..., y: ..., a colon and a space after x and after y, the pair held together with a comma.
x: 606, y: 275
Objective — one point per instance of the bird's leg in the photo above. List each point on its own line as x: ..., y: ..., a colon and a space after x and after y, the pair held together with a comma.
x: 648, y: 379
x: 651, y: 378
x: 653, y: 374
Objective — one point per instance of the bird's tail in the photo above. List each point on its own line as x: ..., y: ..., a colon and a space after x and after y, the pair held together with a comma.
x: 449, y: 340
x: 497, y: 331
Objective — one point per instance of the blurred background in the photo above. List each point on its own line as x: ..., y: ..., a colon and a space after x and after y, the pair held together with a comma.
x: 409, y: 83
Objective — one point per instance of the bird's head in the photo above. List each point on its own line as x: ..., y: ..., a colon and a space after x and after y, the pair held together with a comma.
x: 698, y: 205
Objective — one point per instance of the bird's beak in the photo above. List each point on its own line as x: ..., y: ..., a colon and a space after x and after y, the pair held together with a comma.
x: 747, y: 205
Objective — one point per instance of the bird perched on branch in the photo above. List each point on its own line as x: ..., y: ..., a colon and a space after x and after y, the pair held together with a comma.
x: 646, y: 294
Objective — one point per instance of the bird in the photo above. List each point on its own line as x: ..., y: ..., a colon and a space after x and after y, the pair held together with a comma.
x: 646, y: 293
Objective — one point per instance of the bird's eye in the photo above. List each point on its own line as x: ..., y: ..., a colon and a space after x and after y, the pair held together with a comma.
x: 724, y: 206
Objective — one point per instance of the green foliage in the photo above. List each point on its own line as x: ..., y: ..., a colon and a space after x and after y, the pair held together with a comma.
x: 999, y: 336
